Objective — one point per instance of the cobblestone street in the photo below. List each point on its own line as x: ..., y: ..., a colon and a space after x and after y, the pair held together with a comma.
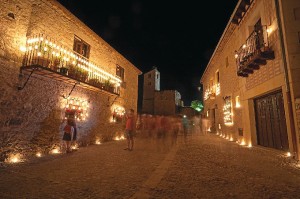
x: 205, y: 166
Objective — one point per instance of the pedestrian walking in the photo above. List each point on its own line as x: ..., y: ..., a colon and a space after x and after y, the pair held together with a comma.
x: 130, y: 129
x: 185, y: 125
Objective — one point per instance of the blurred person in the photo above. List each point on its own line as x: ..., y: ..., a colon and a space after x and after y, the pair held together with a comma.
x: 130, y: 129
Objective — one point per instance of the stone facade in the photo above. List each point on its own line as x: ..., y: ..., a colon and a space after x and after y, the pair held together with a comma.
x: 166, y: 102
x: 151, y: 85
x: 31, y: 118
x: 223, y: 86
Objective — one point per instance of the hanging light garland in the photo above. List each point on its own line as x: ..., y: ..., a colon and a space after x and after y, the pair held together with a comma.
x: 77, y: 108
x: 227, y: 110
x: 42, y: 45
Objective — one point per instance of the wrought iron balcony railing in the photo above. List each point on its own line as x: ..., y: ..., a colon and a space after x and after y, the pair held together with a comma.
x: 44, y: 56
x: 254, y: 52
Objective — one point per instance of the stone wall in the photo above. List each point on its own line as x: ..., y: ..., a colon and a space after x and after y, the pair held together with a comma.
x: 260, y: 82
x: 31, y: 118
x: 165, y: 102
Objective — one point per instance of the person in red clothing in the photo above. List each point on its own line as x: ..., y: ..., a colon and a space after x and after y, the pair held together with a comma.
x: 68, y: 132
x: 130, y: 129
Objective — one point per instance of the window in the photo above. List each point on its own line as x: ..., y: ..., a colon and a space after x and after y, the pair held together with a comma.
x: 81, y: 47
x: 217, y: 77
x: 120, y: 72
x: 226, y: 62
x: 297, y: 13
x: 157, y: 76
x: 237, y: 102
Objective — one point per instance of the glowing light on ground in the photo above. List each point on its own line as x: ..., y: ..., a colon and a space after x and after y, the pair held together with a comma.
x: 243, y: 143
x: 38, y: 154
x: 75, y: 147
x: 55, y: 151
x: 14, y: 158
x: 98, y: 142
x: 119, y: 138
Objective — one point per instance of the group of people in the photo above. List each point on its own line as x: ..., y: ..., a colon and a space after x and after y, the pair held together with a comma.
x: 160, y: 128
x: 154, y: 127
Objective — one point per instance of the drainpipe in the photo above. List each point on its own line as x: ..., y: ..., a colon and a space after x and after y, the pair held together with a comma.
x: 286, y: 77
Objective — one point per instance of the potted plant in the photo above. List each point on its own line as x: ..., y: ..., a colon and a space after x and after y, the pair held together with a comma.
x: 63, y: 70
x: 95, y: 82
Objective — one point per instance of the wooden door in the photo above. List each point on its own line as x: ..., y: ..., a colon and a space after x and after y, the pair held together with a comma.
x: 271, y: 122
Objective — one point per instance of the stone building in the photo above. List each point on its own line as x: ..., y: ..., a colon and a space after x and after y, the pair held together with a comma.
x: 251, y: 83
x: 54, y: 67
x: 150, y: 86
x: 189, y: 111
x: 167, y: 102
x: 155, y: 101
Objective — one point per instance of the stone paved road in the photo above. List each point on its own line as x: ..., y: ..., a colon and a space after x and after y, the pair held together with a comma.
x: 202, y: 167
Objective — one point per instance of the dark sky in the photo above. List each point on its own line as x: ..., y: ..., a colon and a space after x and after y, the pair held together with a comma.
x: 178, y: 37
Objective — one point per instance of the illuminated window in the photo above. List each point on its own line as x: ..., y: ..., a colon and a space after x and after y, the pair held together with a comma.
x: 217, y: 79
x: 81, y: 47
x: 120, y: 72
x: 227, y: 110
x: 237, y: 102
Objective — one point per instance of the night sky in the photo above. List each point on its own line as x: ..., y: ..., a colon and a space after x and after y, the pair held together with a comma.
x: 176, y: 37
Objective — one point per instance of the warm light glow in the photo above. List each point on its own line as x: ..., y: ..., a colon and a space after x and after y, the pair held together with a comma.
x: 119, y: 138
x: 244, y: 46
x: 38, y: 154
x: 231, y: 139
x: 237, y: 102
x: 98, y: 142
x: 249, y: 145
x: 243, y: 143
x: 219, y: 126
x: 288, y: 154
x: 68, y: 56
x: 228, y: 120
x: 218, y: 89
x: 75, y: 146
x: 23, y: 48
x: 55, y: 151
x: 14, y: 158
x: 270, y: 30
x: 236, y: 56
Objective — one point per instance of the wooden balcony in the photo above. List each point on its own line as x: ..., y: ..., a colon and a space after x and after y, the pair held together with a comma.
x: 254, y: 53
x: 240, y: 11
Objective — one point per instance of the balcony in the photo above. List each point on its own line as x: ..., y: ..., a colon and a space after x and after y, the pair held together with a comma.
x: 45, y: 57
x: 209, y: 94
x: 254, y: 53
